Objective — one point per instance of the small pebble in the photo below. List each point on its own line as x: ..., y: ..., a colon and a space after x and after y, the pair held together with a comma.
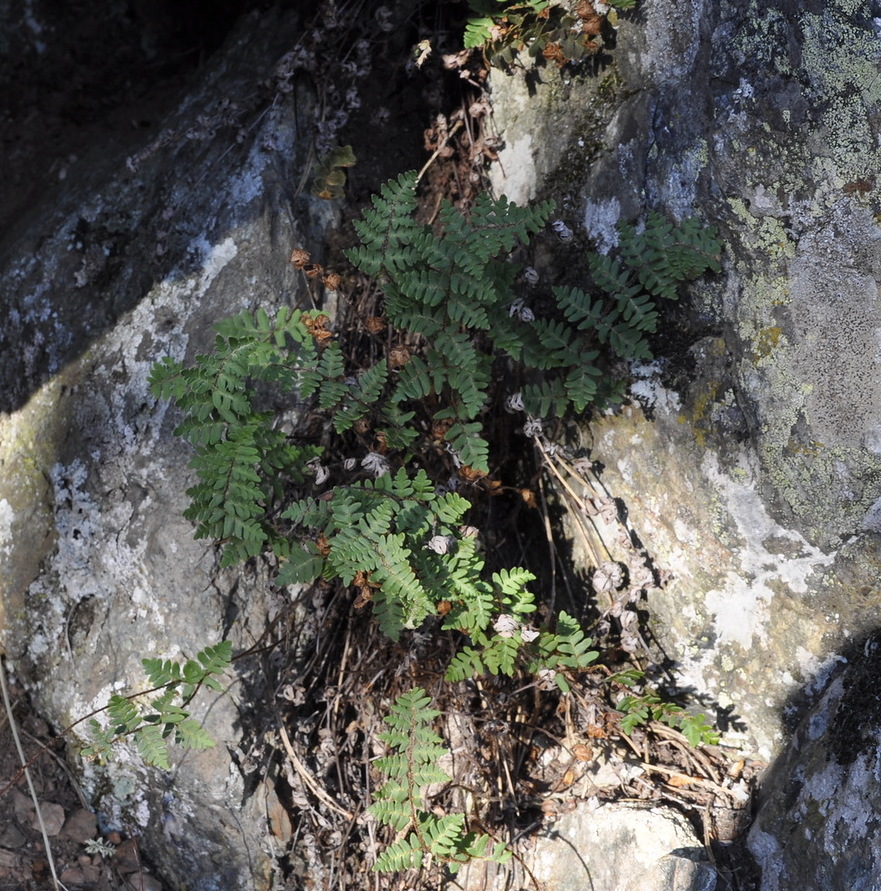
x: 80, y: 826
x: 53, y: 818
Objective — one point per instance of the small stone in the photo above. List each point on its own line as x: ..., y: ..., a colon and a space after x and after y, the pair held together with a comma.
x: 82, y: 875
x: 81, y: 825
x: 9, y: 860
x: 127, y: 858
x: 143, y: 882
x: 11, y: 838
x: 53, y: 818
x: 22, y: 806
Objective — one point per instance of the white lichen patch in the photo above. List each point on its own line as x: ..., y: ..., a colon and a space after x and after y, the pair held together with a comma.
x: 6, y: 518
x: 648, y: 389
x: 601, y: 222
x: 741, y: 608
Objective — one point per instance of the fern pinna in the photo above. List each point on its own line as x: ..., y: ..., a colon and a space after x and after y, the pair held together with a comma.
x: 166, y: 719
x: 400, y: 803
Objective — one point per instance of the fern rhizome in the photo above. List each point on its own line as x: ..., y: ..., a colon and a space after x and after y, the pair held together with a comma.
x: 391, y: 520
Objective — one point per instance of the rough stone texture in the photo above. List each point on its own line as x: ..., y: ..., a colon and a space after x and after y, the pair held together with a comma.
x: 750, y: 464
x: 818, y: 825
x: 613, y: 847
x: 622, y: 848
x: 132, y: 259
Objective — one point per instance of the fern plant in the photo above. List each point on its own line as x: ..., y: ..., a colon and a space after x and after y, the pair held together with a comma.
x: 400, y: 802
x: 449, y: 289
x: 241, y: 457
x: 642, y: 709
x: 386, y: 528
x: 166, y: 718
x: 396, y: 538
x: 456, y: 289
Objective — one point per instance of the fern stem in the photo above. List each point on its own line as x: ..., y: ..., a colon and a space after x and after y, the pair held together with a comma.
x: 456, y: 127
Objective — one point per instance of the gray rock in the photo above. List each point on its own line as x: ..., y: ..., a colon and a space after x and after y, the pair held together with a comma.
x: 749, y: 459
x: 623, y: 848
x: 614, y: 847
x: 131, y: 262
x: 818, y: 823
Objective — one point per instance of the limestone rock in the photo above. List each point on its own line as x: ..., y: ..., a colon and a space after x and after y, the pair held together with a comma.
x: 748, y: 459
x: 622, y: 848
x: 129, y: 262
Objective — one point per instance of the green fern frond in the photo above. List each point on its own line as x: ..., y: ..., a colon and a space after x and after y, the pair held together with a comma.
x: 400, y: 802
x: 546, y: 398
x: 192, y: 735
x: 500, y: 654
x: 512, y: 591
x: 304, y: 564
x: 387, y: 228
x: 467, y: 663
x: 123, y: 713
x: 407, y: 853
x: 469, y: 445
x: 153, y: 745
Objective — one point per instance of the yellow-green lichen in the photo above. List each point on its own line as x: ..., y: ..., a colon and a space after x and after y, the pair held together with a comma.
x: 767, y: 341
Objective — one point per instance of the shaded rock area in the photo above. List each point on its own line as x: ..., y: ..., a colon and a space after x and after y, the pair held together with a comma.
x: 818, y: 823
x: 134, y: 254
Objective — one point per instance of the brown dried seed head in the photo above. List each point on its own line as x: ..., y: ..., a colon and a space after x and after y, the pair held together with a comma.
x: 582, y: 752
x: 299, y: 257
x: 331, y: 281
x: 470, y: 475
x: 554, y: 53
x: 529, y: 497
x: 398, y: 357
x: 375, y: 325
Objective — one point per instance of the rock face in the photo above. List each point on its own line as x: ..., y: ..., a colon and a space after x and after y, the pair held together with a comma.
x: 132, y: 259
x: 618, y: 847
x: 748, y: 462
x: 613, y: 847
x: 818, y: 822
